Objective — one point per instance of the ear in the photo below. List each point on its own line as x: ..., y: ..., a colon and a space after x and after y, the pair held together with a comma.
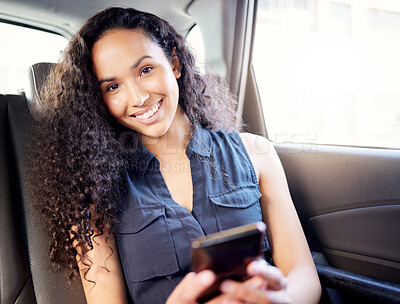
x: 175, y: 64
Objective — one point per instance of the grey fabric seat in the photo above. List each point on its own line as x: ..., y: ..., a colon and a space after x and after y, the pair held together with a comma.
x: 26, y: 273
x: 15, y: 277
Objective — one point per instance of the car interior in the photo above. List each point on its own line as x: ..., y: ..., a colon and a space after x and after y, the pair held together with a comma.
x: 347, y: 196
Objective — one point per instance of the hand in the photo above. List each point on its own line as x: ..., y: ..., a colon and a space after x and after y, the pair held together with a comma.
x: 191, y: 286
x: 266, y: 285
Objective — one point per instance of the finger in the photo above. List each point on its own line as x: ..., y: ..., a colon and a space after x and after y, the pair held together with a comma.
x: 274, y: 276
x: 256, y: 282
x: 243, y: 293
x: 191, y: 286
x: 224, y: 299
x: 198, y: 283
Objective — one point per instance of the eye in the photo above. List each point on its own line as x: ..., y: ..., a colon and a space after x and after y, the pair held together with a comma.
x: 112, y: 87
x: 146, y: 70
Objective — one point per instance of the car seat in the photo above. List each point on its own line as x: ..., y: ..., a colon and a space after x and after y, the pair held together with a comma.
x: 26, y: 273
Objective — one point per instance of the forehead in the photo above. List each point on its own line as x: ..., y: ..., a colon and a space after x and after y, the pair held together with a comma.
x: 124, y: 45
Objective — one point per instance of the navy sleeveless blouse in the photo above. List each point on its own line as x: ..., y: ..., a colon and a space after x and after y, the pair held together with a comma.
x: 155, y: 233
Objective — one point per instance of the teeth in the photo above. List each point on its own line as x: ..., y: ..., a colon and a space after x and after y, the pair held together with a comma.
x: 149, y: 113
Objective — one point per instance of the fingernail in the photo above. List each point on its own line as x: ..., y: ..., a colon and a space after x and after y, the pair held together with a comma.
x: 206, y: 276
x: 227, y: 287
x: 255, y: 267
x: 229, y: 301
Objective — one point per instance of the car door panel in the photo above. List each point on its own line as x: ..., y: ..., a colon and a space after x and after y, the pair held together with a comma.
x: 362, y: 239
x: 348, y: 200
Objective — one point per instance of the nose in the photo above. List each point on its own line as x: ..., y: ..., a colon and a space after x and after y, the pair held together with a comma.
x: 136, y: 95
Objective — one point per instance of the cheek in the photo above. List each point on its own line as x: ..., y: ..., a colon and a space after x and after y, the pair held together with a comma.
x: 168, y: 80
x: 115, y: 106
x: 175, y: 90
x: 172, y: 85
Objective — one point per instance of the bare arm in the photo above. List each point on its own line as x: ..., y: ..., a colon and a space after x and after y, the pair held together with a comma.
x: 104, y: 282
x: 289, y: 246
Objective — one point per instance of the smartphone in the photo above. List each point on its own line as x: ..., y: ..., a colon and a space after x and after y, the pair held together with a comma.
x: 227, y: 253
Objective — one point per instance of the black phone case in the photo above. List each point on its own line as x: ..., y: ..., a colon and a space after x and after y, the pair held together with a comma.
x: 227, y: 253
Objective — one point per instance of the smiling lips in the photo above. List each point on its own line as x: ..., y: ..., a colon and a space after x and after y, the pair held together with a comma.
x: 149, y: 113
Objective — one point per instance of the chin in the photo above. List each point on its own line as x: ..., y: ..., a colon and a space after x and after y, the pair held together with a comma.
x: 154, y: 134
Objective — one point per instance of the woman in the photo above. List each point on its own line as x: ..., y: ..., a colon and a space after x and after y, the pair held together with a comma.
x: 137, y: 157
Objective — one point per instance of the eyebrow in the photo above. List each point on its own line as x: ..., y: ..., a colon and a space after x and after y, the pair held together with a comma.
x: 137, y: 63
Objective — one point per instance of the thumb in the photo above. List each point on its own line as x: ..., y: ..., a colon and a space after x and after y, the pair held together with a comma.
x: 191, y: 287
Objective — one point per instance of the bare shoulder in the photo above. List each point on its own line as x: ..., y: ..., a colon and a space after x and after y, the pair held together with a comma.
x: 256, y: 144
x: 261, y: 152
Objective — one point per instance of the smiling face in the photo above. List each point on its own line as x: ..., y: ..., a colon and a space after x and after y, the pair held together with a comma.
x: 137, y: 81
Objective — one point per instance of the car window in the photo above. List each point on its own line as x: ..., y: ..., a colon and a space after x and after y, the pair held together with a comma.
x: 195, y: 40
x: 328, y: 71
x: 22, y: 47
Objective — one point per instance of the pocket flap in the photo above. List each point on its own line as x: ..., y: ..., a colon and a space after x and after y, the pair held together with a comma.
x: 238, y: 197
x: 137, y: 218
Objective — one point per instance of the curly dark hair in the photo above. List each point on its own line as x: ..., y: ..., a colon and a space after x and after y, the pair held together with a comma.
x: 79, y: 160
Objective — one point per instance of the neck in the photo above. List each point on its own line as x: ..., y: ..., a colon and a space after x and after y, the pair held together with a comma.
x: 175, y: 140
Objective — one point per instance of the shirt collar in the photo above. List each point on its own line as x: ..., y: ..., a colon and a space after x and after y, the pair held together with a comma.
x: 143, y: 158
x: 200, y: 143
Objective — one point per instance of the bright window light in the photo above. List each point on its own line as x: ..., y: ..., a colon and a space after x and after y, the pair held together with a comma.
x: 195, y: 40
x: 328, y: 72
x: 20, y: 48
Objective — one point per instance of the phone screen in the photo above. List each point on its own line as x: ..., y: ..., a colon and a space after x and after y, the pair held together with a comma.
x: 227, y: 253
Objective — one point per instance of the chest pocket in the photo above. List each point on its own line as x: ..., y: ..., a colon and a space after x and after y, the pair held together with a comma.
x: 145, y: 244
x: 238, y: 206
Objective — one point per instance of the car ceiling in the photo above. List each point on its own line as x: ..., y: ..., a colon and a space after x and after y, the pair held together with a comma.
x: 216, y: 18
x: 65, y: 17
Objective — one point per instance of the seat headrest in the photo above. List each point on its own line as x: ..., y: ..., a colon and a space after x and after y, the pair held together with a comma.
x: 37, y: 76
